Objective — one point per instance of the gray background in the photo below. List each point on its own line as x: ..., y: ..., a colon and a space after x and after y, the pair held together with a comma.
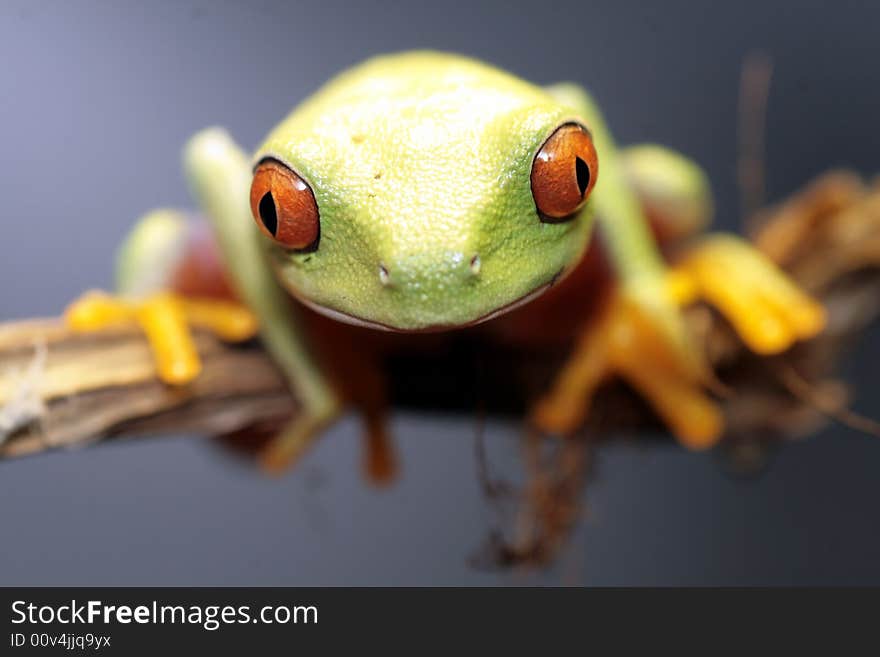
x: 97, y: 99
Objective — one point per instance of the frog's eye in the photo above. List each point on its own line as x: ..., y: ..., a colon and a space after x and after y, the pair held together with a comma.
x: 284, y: 206
x: 564, y: 173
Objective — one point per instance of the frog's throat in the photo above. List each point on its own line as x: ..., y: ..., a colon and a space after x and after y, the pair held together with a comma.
x: 347, y: 318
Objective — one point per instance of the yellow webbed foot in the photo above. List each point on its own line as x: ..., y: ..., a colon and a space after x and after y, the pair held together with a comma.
x: 641, y: 342
x: 766, y: 308
x: 166, y: 319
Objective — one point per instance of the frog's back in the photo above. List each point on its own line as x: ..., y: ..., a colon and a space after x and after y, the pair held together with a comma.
x: 417, y: 85
x: 433, y: 99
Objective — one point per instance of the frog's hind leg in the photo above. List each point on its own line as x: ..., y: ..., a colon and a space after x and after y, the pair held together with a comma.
x: 352, y: 358
x: 168, y: 279
x: 380, y: 462
x: 364, y: 390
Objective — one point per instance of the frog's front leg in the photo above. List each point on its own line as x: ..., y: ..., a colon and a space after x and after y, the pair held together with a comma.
x: 768, y: 311
x: 628, y: 340
x: 640, y: 335
x: 220, y: 176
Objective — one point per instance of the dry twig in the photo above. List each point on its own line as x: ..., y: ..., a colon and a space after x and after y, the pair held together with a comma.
x: 60, y: 389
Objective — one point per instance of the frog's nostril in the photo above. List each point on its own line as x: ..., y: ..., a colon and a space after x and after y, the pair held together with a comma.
x: 384, y: 276
x: 476, y: 264
x: 416, y: 272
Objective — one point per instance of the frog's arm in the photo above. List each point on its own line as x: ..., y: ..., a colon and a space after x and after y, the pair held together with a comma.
x: 626, y: 234
x: 220, y: 176
x: 640, y: 335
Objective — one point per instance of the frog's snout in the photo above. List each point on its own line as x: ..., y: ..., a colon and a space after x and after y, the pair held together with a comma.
x: 418, y: 272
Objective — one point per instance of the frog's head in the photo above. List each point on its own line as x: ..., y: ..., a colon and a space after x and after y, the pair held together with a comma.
x: 428, y: 209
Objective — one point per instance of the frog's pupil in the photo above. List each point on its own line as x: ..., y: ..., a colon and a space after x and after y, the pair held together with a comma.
x: 583, y: 174
x: 268, y: 214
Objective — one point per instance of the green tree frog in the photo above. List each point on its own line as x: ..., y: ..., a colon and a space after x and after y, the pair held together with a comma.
x: 427, y: 192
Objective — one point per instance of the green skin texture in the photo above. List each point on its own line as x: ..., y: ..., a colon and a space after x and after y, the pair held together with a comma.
x: 420, y: 164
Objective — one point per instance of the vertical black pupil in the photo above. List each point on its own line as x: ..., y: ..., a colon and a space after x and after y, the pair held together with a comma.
x: 268, y: 214
x: 583, y: 174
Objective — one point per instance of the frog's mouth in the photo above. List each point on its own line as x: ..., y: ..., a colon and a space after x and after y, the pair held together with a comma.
x: 348, y: 318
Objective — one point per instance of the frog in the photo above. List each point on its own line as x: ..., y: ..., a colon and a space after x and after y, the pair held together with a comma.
x: 427, y: 192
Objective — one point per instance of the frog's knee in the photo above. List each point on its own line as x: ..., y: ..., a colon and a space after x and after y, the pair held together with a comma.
x: 150, y: 253
x: 673, y: 189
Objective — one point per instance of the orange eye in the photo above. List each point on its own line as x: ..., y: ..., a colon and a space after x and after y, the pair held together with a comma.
x: 284, y: 206
x: 564, y: 173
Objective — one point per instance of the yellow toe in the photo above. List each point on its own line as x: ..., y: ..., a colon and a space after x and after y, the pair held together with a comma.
x: 97, y: 310
x: 694, y: 418
x: 165, y: 319
x: 633, y: 339
x: 229, y: 321
x: 765, y: 307
x: 164, y: 322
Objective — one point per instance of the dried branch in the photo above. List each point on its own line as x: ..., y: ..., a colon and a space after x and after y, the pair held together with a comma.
x: 62, y: 389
